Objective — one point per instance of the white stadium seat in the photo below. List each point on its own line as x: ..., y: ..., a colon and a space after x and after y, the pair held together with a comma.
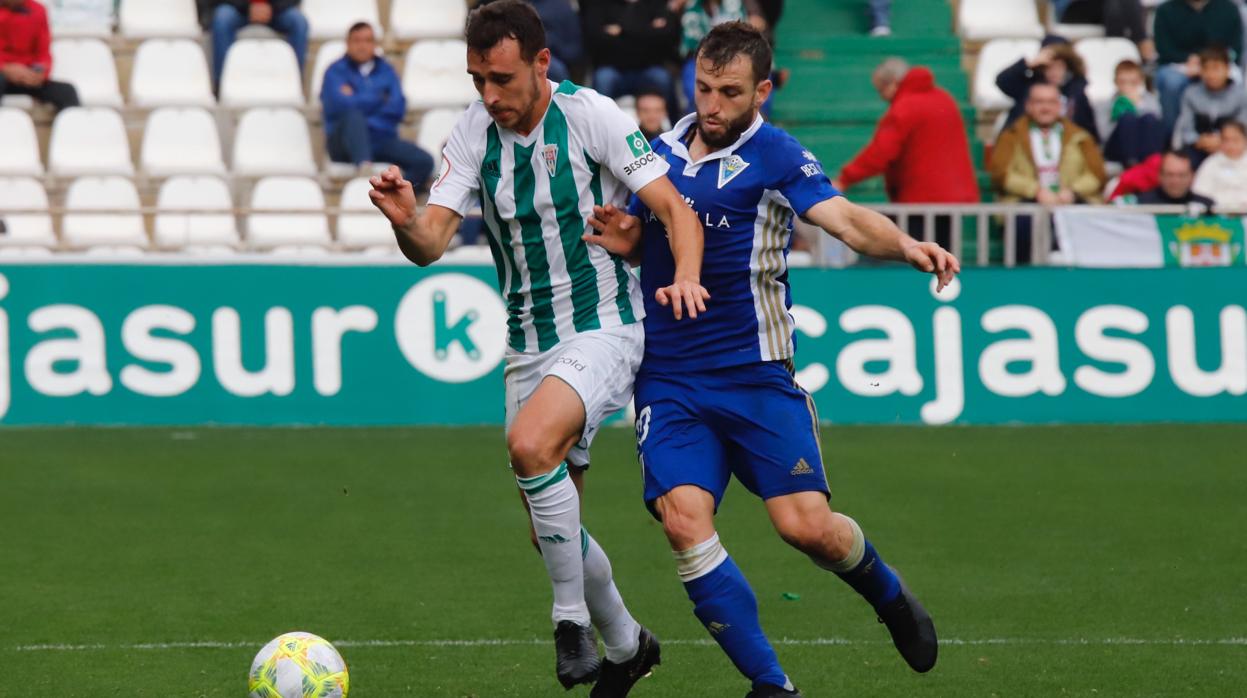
x: 19, y: 144
x: 436, y: 75
x: 1102, y: 57
x: 329, y: 52
x: 427, y: 19
x: 181, y: 141
x: 144, y: 19
x: 23, y: 229
x: 23, y: 102
x: 89, y: 141
x: 1074, y: 32
x: 435, y: 128
x: 170, y: 73
x: 359, y: 224
x: 997, y: 55
x: 269, y: 230
x: 212, y: 230
x: 273, y: 142
x: 121, y: 226
x: 330, y: 19
x: 81, y: 18
x: 88, y: 65
x: 980, y: 20
x: 261, y: 73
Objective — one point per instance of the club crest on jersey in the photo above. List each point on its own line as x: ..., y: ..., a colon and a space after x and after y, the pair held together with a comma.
x: 729, y: 167
x: 550, y: 154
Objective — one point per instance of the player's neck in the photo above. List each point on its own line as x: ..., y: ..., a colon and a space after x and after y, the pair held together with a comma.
x: 538, y: 114
x: 698, y: 148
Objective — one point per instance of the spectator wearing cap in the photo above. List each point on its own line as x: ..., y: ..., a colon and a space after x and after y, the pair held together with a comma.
x: 1206, y: 105
x: 1182, y: 29
x: 920, y: 145
x: 1056, y: 64
x: 1223, y: 175
x: 26, y: 57
x: 630, y: 42
x: 364, y: 104
x: 227, y: 17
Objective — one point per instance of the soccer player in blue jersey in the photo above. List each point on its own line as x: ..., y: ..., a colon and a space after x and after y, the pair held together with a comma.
x: 717, y: 397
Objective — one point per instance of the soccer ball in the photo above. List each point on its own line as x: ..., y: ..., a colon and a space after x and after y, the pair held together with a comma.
x: 298, y: 665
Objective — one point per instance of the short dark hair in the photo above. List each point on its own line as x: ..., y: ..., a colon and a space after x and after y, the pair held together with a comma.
x: 1236, y: 125
x: 650, y: 93
x: 731, y: 39
x: 1215, y: 54
x: 1127, y: 66
x: 358, y: 26
x: 506, y: 19
x: 1180, y: 154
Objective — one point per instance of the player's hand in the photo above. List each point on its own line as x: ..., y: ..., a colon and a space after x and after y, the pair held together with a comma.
x: 394, y: 196
x: 933, y: 259
x: 617, y: 232
x: 684, y: 293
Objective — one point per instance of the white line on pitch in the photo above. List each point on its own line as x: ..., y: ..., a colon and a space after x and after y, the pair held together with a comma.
x: 501, y: 642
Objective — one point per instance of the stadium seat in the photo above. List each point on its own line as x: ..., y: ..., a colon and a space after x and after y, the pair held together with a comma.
x: 330, y: 19
x: 170, y: 73
x: 212, y: 230
x: 89, y: 141
x: 435, y: 75
x: 88, y: 65
x: 435, y: 128
x: 1102, y: 57
x: 980, y: 20
x: 273, y: 142
x: 78, y: 20
x: 261, y: 73
x: 1075, y: 32
x: 359, y: 224
x: 269, y: 230
x: 23, y: 102
x: 122, y: 226
x: 19, y: 144
x: 25, y: 229
x: 997, y: 55
x: 181, y: 141
x: 427, y: 19
x: 329, y: 52
x: 144, y: 19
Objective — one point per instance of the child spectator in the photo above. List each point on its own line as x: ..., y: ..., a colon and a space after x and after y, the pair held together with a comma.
x: 1056, y: 64
x: 1223, y: 176
x: 1132, y: 120
x: 1206, y: 105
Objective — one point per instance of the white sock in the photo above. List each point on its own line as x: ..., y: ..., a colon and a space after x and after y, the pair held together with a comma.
x: 620, y: 632
x: 555, y: 507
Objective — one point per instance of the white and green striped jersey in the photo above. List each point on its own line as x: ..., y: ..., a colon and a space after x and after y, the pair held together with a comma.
x: 537, y: 193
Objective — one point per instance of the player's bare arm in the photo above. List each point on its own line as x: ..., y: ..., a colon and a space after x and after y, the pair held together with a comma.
x: 873, y: 234
x: 423, y: 238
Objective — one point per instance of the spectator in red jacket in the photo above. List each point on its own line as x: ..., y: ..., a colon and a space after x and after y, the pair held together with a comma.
x: 920, y: 146
x: 25, y: 55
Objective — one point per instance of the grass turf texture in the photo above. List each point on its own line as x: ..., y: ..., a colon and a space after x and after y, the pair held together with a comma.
x: 1039, y: 537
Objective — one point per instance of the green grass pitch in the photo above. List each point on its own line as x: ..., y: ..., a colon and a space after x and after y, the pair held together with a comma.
x: 1087, y: 561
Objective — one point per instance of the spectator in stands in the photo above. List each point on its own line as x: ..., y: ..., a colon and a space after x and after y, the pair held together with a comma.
x: 630, y: 42
x: 920, y: 146
x: 26, y: 57
x: 563, y: 35
x: 651, y: 114
x: 699, y: 17
x: 364, y: 104
x: 1122, y: 18
x: 1056, y: 64
x: 228, y: 16
x: 1206, y: 105
x: 1184, y: 28
x: 1176, y: 175
x: 881, y: 17
x: 1223, y: 176
x: 1132, y: 120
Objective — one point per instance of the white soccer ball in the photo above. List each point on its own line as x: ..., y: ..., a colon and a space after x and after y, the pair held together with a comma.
x: 298, y: 665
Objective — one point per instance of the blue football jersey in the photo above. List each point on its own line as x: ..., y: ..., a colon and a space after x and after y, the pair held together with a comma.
x: 745, y: 197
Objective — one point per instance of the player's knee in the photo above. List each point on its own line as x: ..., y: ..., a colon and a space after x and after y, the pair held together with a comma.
x: 530, y: 454
x: 813, y: 533
x: 682, y: 531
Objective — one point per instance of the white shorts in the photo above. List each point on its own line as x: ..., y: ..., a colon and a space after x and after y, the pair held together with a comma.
x: 600, y: 365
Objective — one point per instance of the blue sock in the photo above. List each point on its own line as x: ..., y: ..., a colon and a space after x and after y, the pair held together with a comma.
x: 725, y: 604
x: 873, y: 579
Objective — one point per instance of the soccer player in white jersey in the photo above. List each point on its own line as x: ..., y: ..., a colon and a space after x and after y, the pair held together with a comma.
x: 537, y: 157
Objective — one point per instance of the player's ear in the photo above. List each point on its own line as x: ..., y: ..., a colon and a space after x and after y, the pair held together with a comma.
x: 761, y: 92
x: 542, y: 62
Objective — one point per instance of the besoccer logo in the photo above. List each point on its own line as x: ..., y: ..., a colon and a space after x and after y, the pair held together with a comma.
x: 638, y: 144
x: 447, y: 328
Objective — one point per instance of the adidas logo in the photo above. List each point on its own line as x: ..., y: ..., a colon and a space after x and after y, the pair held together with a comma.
x: 716, y: 627
x: 556, y: 538
x: 802, y: 468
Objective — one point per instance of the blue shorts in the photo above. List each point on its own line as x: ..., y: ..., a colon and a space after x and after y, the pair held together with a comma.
x: 751, y: 421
